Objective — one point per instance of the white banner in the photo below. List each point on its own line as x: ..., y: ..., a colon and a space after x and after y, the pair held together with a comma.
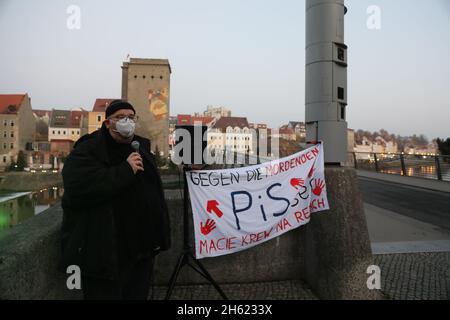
x: 236, y: 209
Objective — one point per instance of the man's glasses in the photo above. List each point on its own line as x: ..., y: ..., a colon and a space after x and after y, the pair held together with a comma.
x: 121, y: 117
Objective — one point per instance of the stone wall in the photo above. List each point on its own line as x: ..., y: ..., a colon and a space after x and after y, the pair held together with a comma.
x: 26, y: 181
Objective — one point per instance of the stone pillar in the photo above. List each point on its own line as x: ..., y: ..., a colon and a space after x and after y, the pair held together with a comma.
x: 337, y: 244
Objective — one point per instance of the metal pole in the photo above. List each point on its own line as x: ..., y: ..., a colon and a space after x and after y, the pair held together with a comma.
x: 326, y: 78
x: 376, y: 162
x: 354, y: 160
x: 402, y: 162
x: 438, y: 168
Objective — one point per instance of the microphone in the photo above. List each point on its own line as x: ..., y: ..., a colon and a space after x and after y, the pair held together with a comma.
x: 135, y: 145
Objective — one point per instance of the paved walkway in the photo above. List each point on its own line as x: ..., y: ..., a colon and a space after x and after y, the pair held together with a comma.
x: 386, y: 226
x: 281, y: 290
x: 418, y: 276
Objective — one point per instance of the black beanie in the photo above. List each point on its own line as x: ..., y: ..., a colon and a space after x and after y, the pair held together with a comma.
x: 117, y: 105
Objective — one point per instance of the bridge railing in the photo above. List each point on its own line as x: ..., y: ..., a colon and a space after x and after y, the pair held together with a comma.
x: 435, y: 167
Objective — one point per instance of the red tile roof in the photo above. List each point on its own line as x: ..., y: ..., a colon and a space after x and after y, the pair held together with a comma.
x: 184, y: 119
x: 204, y: 120
x: 100, y: 105
x: 11, y: 103
x: 225, y: 122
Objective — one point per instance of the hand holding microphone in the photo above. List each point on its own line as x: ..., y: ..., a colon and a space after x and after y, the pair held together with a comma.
x: 135, y: 159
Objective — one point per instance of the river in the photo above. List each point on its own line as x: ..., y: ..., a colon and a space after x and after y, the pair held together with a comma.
x: 16, y: 207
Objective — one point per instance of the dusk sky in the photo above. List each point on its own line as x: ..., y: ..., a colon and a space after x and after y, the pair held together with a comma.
x: 247, y: 55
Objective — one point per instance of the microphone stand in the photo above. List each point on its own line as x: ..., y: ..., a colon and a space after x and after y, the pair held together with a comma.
x: 187, y: 257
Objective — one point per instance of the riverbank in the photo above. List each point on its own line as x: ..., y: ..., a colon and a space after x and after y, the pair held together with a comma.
x: 26, y: 181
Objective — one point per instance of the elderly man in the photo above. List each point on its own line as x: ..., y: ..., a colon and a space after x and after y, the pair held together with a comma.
x: 115, y: 216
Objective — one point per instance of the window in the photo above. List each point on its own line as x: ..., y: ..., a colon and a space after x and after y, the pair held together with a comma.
x: 73, y: 132
x: 59, y: 132
x: 161, y: 77
x: 143, y: 77
x: 5, y: 123
x: 12, y: 123
x: 78, y: 131
x: 99, y: 118
x: 4, y: 159
x: 64, y: 132
x: 4, y: 134
x: 12, y: 145
x: 340, y: 93
x: 12, y: 134
x: 53, y: 131
x: 341, y: 55
x: 4, y: 146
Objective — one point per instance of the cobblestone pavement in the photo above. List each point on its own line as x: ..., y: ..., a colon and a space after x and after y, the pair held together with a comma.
x: 281, y: 290
x: 415, y: 276
x: 418, y: 276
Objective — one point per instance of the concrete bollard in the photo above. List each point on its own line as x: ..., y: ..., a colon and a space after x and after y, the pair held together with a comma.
x: 337, y: 245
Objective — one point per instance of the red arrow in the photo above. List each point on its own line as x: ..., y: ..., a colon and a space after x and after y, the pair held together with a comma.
x: 212, y: 206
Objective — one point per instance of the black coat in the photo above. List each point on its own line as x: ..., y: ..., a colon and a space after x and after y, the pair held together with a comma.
x: 91, y: 184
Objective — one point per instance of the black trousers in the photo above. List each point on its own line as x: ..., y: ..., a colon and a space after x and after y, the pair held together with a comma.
x: 133, y: 283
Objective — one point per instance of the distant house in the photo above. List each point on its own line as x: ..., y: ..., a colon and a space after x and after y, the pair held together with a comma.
x: 363, y: 148
x: 298, y: 127
x: 285, y: 133
x: 186, y: 119
x: 42, y: 118
x: 217, y: 112
x: 17, y: 127
x: 430, y: 149
x: 378, y: 145
x: 65, y: 128
x: 97, y: 115
x: 43, y: 115
x: 231, y: 133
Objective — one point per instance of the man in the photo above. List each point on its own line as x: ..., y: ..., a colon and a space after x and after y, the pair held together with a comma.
x: 115, y: 216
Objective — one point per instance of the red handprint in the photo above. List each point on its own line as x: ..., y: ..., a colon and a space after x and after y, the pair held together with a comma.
x: 319, y: 185
x: 209, y: 226
x: 296, y: 182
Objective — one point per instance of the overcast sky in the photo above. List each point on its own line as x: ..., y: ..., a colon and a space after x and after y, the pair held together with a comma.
x: 247, y: 55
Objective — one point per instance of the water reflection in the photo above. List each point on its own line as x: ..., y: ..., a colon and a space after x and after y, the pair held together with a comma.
x: 17, y: 207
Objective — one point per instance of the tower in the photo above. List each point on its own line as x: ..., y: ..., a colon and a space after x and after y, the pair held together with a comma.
x: 326, y: 77
x: 146, y: 85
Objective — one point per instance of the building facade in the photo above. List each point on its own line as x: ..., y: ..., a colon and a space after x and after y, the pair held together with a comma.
x: 231, y: 134
x: 146, y: 85
x: 65, y: 128
x: 17, y: 127
x: 97, y: 115
x: 217, y: 112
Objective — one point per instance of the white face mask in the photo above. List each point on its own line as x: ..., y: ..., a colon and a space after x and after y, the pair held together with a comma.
x: 125, y: 127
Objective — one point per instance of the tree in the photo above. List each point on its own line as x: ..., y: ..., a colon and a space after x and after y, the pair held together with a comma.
x: 160, y: 161
x: 12, y: 166
x: 21, y: 161
x: 444, y: 146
